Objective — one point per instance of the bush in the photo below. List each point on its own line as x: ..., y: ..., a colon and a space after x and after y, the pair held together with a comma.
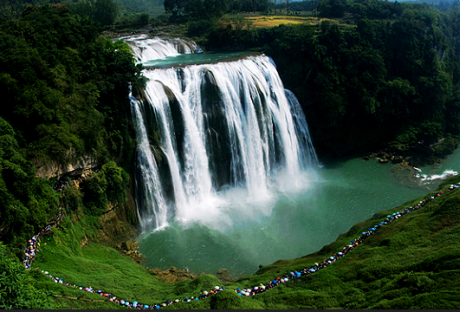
x: 200, y: 28
x: 109, y: 184
x: 16, y: 291
x: 226, y: 300
x: 72, y: 197
x: 95, y: 196
x: 117, y: 182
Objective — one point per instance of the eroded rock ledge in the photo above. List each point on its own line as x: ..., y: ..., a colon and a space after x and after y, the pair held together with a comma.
x: 73, y: 168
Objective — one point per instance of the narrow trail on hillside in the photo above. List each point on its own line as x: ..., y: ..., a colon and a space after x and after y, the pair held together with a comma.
x: 33, y: 246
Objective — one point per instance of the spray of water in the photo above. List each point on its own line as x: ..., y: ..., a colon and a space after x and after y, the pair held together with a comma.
x: 432, y: 177
x: 232, y: 139
x: 145, y: 48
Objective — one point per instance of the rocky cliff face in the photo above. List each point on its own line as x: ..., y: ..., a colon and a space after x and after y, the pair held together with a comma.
x: 74, y: 168
x: 118, y: 227
x: 118, y: 223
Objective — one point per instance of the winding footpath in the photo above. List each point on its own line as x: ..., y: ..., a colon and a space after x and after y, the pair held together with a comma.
x: 33, y: 246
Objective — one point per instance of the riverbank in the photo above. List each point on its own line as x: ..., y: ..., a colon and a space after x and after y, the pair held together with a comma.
x: 93, y: 264
x: 261, y: 288
x: 416, y: 155
x: 404, y: 265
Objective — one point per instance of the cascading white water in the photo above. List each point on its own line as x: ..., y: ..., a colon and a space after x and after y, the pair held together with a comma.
x: 147, y: 175
x: 145, y: 48
x: 306, y: 147
x: 220, y: 127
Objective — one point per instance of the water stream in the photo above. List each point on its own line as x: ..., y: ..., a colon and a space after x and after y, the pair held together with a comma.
x: 227, y: 176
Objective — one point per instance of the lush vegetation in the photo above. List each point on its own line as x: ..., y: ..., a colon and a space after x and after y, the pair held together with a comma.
x: 379, y: 83
x: 411, y: 263
x: 124, y: 13
x: 185, y: 10
x: 69, y: 87
x: 26, y: 203
x: 16, y: 285
x: 65, y: 94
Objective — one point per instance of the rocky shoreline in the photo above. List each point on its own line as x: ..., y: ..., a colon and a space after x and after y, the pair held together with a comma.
x: 385, y: 157
x: 417, y: 155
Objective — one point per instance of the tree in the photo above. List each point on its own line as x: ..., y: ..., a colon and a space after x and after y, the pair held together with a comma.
x: 105, y: 12
x: 214, y: 8
x: 332, y: 8
x: 174, y: 7
x: 102, y: 11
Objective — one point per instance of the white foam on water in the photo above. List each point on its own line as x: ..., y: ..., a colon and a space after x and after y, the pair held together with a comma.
x: 269, y: 145
x: 433, y: 177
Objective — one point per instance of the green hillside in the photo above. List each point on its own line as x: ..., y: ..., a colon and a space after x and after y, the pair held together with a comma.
x: 65, y: 96
x: 410, y: 263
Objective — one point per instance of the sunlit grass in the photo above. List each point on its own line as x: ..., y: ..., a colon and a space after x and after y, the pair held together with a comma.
x: 276, y: 20
x: 411, y: 263
x: 271, y: 21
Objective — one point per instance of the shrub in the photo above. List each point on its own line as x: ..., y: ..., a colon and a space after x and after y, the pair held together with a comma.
x: 200, y: 28
x: 72, y: 197
x: 16, y: 291
x: 226, y: 300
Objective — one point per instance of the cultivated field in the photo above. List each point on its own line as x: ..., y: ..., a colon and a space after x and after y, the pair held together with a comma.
x: 258, y: 21
x: 270, y: 21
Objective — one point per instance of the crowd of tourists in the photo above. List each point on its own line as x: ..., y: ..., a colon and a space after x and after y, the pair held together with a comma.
x: 34, y: 245
x: 135, y: 304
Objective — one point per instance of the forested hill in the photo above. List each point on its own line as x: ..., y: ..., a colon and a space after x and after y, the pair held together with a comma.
x: 370, y: 75
x: 374, y: 75
x: 64, y: 96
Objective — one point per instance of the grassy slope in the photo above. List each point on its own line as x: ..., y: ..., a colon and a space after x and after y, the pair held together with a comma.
x: 101, y: 267
x: 412, y: 263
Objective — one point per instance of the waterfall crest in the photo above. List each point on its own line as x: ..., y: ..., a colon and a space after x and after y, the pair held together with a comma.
x: 207, y: 129
x: 145, y: 48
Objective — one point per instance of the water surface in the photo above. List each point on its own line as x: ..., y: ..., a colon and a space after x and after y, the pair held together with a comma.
x: 242, y: 230
x: 195, y: 58
x: 339, y: 195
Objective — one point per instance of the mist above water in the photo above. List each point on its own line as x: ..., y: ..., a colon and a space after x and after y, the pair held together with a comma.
x: 216, y: 139
x: 226, y: 173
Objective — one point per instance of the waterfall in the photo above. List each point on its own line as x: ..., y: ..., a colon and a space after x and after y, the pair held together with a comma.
x: 206, y: 129
x: 145, y: 48
x: 148, y: 187
x: 307, y: 152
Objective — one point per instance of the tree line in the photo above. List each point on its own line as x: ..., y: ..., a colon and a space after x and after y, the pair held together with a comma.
x: 65, y: 95
x: 381, y: 83
x: 184, y: 10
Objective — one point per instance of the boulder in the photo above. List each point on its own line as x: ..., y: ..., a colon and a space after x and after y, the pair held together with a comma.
x: 224, y: 276
x: 397, y: 159
x: 171, y: 275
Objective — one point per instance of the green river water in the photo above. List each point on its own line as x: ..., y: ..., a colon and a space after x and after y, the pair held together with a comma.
x: 292, y: 224
x: 339, y: 195
x: 194, y: 59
